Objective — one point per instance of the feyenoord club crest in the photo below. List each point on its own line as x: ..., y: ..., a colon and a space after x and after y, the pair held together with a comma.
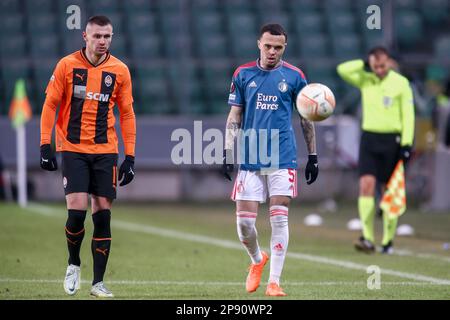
x: 282, y: 86
x: 108, y: 80
x: 232, y: 87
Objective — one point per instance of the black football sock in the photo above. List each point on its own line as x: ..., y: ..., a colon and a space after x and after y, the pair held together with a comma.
x: 101, y: 243
x: 75, y: 234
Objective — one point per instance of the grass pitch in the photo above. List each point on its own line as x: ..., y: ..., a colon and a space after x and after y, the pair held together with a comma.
x: 191, y: 251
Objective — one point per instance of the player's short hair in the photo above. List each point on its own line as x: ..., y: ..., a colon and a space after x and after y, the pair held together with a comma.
x: 378, y: 51
x: 274, y: 29
x: 99, y: 20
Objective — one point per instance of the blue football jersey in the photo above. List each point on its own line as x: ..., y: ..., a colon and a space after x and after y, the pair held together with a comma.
x: 267, y: 138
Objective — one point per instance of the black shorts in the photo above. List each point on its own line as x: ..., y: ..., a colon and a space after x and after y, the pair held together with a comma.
x: 378, y: 154
x: 91, y: 173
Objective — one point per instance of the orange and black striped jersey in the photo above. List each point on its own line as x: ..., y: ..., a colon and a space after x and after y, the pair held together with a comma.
x: 86, y: 95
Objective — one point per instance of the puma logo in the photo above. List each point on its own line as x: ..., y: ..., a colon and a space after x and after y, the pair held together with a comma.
x: 72, y: 242
x: 104, y: 251
x: 79, y: 76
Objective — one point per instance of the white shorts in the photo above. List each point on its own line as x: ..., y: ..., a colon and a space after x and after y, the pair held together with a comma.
x: 254, y: 185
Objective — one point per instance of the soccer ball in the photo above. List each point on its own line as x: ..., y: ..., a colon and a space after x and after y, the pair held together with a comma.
x: 315, y: 102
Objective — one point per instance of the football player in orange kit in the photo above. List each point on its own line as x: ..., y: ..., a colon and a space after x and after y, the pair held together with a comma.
x: 86, y: 85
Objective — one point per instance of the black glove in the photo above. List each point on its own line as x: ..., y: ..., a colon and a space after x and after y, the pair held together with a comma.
x: 227, y: 166
x: 126, y: 170
x: 48, y: 159
x: 312, y: 169
x: 405, y: 154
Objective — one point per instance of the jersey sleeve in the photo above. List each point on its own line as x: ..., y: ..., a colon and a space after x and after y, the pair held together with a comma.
x: 300, y: 84
x: 407, y: 109
x: 55, y: 87
x: 236, y: 96
x: 127, y: 117
x: 125, y: 92
x: 352, y: 72
x: 54, y: 94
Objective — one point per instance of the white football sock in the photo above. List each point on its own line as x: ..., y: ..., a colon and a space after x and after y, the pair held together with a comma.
x: 279, y: 241
x: 247, y: 234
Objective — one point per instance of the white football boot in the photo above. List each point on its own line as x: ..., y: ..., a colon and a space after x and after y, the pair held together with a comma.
x: 100, y: 291
x: 72, y: 281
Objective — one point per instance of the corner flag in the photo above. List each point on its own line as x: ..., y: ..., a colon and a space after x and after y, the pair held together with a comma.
x: 394, y: 198
x: 20, y: 113
x: 19, y: 110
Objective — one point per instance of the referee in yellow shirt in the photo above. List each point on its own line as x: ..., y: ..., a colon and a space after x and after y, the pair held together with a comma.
x: 387, y: 135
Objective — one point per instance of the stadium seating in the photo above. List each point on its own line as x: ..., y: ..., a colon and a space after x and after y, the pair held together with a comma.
x: 44, y: 46
x: 11, y: 24
x: 152, y: 91
x: 408, y: 27
x: 10, y: 6
x: 137, y: 6
x: 314, y: 46
x: 435, y: 11
x: 192, y: 35
x: 39, y: 6
x: 341, y: 22
x: 442, y: 48
x: 308, y: 22
x: 41, y: 73
x: 106, y: 7
x: 15, y: 69
x: 12, y: 47
x: 41, y: 23
x: 346, y: 46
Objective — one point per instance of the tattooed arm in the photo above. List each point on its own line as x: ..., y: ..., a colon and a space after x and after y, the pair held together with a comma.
x: 310, y: 135
x: 312, y: 166
x: 233, y: 125
x: 231, y: 131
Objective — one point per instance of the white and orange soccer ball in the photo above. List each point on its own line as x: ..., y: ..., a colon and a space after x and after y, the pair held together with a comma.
x: 315, y: 102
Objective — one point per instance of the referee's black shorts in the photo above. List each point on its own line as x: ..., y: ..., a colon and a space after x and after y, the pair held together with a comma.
x: 378, y: 154
x: 91, y: 173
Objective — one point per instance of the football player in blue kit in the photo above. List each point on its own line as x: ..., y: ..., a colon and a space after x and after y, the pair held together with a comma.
x: 262, y: 98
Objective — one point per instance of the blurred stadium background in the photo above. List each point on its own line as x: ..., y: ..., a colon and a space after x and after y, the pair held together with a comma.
x: 182, y: 53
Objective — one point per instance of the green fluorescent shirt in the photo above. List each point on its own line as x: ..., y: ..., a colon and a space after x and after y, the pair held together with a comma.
x: 387, y: 103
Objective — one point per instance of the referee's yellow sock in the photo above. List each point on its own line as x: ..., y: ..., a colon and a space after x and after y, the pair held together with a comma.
x: 389, y: 228
x: 366, y: 207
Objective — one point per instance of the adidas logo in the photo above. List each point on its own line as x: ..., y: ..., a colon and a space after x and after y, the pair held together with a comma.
x: 278, y: 247
x: 252, y: 84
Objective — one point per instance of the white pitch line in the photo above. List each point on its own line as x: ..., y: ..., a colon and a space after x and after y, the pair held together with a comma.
x: 406, y: 252
x: 217, y: 283
x: 129, y: 226
x: 52, y: 212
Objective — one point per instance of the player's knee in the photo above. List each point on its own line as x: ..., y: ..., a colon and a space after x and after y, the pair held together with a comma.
x: 100, y: 203
x: 77, y: 201
x: 75, y: 220
x: 279, y: 216
x: 367, y: 186
x: 246, y: 226
x: 102, y: 224
x: 280, y: 201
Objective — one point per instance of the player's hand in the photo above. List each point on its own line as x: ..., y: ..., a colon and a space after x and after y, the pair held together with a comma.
x: 227, y: 166
x: 312, y: 169
x: 126, y: 171
x: 48, y: 159
x: 405, y: 154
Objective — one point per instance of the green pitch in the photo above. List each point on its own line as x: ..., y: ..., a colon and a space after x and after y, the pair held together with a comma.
x: 187, y: 251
